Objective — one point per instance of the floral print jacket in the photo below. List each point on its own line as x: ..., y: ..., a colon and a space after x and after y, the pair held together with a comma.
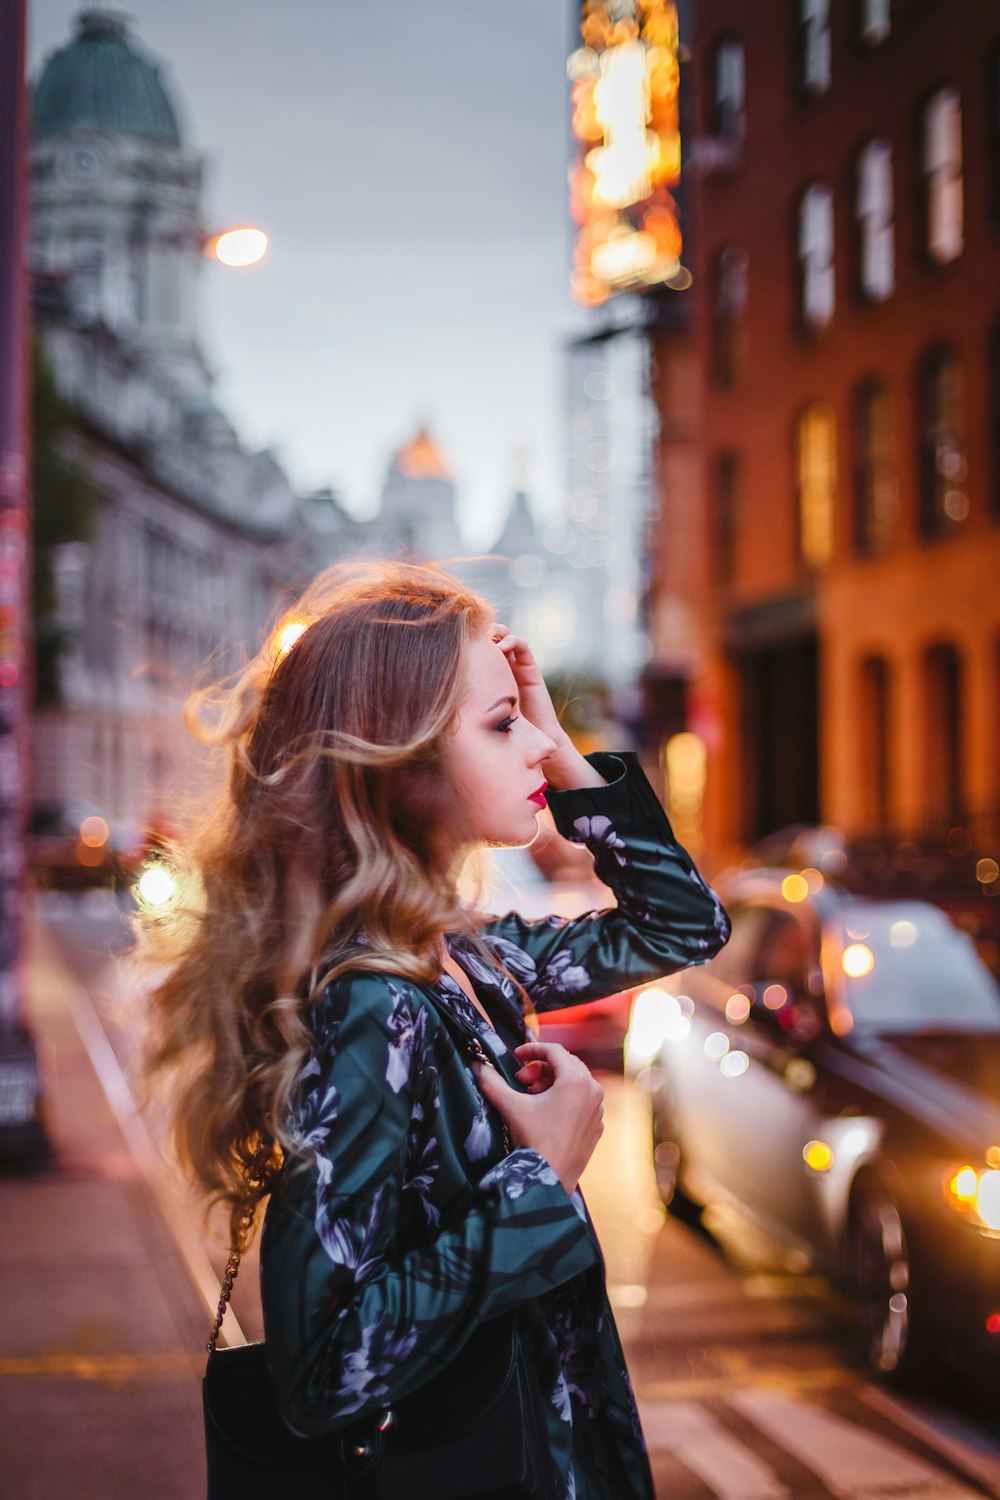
x: 409, y: 1224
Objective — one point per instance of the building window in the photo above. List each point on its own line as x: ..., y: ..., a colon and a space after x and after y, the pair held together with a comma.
x: 942, y: 169
x: 873, y: 21
x: 816, y: 256
x: 944, y: 503
x: 876, y: 488
x: 944, y: 719
x: 876, y: 236
x: 814, y: 45
x: 729, y: 304
x: 727, y: 487
x: 875, y: 729
x: 816, y: 465
x: 729, y: 94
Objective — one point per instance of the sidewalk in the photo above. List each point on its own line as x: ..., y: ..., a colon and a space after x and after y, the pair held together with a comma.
x: 103, y: 1328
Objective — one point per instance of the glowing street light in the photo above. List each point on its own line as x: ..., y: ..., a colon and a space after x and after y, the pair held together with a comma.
x: 238, y: 247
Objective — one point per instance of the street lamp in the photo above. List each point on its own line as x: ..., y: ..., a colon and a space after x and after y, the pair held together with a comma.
x: 242, y: 246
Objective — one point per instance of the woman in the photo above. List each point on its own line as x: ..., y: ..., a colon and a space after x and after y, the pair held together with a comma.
x: 415, y: 1192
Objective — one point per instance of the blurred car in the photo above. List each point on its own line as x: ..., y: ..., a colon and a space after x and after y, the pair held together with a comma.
x: 596, y: 1031
x: 76, y: 847
x: 835, y: 1073
x: 955, y: 871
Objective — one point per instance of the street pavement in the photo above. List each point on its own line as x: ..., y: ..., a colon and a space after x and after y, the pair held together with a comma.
x: 103, y: 1327
x: 746, y: 1374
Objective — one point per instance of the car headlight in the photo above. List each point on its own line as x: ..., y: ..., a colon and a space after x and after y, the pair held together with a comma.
x: 657, y: 1017
x: 976, y: 1194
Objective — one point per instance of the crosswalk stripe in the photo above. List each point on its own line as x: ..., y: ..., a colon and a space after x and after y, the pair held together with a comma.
x: 704, y: 1446
x: 853, y: 1464
x: 965, y: 1445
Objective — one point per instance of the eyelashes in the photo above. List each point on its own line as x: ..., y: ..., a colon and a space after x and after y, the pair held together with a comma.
x: 506, y: 725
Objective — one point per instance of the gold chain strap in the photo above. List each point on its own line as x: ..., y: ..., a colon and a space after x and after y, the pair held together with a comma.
x: 255, y: 1181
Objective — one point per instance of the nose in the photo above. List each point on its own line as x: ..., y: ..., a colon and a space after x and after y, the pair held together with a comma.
x: 541, y: 748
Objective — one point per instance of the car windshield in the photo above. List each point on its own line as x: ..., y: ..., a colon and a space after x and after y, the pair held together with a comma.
x: 908, y: 968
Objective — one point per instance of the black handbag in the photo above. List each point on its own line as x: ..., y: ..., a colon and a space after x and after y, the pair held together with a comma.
x: 475, y: 1431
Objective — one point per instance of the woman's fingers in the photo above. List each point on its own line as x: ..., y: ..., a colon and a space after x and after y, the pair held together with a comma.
x: 564, y: 1121
x: 542, y: 1051
x: 535, y: 1077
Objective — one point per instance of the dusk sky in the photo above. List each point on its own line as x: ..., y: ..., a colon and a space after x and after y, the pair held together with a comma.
x: 408, y: 159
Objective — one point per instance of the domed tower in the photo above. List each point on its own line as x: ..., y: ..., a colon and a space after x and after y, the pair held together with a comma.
x: 418, y: 501
x: 116, y: 220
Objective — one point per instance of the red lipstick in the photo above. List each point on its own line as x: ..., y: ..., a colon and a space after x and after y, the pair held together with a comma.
x: 539, y: 797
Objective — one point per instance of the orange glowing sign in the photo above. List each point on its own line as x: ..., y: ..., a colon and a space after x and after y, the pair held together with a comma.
x: 624, y: 96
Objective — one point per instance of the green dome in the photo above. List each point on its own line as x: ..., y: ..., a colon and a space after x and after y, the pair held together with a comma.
x: 100, y: 80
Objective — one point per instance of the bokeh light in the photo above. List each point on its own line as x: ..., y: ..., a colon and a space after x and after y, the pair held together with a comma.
x: 857, y: 960
x: 737, y: 1009
x: 734, y: 1064
x: 239, y: 247
x: 818, y: 1156
x: 94, y: 832
x: 716, y: 1045
x: 156, y: 886
x: 287, y: 635
x: 795, y: 888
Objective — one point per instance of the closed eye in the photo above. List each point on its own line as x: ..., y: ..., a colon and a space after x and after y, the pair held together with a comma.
x: 506, y: 725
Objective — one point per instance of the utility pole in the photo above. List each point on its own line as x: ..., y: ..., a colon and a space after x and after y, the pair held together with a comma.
x: 21, y: 1132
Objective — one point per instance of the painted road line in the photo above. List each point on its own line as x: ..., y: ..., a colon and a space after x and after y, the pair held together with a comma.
x: 707, y: 1387
x: 144, y: 1152
x: 692, y: 1436
x: 967, y: 1446
x: 105, y: 1367
x: 853, y: 1463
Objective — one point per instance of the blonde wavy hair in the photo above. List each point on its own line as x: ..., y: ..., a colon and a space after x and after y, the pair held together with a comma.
x: 322, y: 852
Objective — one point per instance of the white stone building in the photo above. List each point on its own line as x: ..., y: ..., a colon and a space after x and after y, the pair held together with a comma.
x: 197, y: 540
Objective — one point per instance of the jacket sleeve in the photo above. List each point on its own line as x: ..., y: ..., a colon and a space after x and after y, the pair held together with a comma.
x: 354, y: 1318
x: 666, y: 919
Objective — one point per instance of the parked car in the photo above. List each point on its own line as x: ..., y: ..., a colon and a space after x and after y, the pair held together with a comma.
x: 835, y: 1072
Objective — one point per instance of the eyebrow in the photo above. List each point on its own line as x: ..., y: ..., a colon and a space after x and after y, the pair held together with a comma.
x: 511, y: 700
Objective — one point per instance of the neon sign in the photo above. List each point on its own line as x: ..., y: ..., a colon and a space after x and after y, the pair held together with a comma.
x: 625, y: 80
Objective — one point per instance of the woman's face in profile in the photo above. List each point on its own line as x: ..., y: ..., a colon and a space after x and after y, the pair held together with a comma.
x: 494, y: 756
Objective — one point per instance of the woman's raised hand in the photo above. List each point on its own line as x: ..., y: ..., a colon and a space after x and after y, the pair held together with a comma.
x: 566, y: 767
x: 562, y: 1117
x: 536, y: 703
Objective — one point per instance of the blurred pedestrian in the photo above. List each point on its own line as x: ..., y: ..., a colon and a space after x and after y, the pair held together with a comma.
x: 348, y: 1036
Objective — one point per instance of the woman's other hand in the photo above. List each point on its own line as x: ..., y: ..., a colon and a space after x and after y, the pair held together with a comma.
x: 535, y: 1076
x: 562, y: 1117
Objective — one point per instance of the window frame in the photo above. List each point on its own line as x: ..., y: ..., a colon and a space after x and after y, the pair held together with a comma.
x: 863, y: 34
x: 934, y: 520
x: 728, y: 118
x: 816, y: 557
x: 813, y: 45
x: 942, y: 181
x: 864, y: 468
x: 809, y: 266
x: 730, y: 294
x: 867, y: 288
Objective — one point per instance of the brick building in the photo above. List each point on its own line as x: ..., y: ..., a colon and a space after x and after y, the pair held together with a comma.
x: 839, y: 515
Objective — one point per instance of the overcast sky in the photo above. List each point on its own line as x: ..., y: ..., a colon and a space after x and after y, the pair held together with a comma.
x: 408, y: 159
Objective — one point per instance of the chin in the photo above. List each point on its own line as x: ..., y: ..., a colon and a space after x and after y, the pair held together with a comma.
x: 514, y: 840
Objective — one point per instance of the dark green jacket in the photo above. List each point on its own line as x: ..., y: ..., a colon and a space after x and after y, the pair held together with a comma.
x: 409, y: 1224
